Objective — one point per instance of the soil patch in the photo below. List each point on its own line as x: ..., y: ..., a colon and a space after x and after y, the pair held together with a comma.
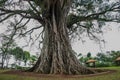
x: 32, y: 74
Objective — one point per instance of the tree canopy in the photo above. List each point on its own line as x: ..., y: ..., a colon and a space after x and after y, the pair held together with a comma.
x: 83, y: 15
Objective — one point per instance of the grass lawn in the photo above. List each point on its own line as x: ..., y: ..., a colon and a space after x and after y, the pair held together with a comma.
x: 113, y: 76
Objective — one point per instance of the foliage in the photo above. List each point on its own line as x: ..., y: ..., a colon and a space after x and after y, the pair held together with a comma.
x: 20, y: 55
x: 106, y: 59
x: 85, y: 58
x: 89, y: 55
x: 26, y: 56
x: 103, y: 57
x: 104, y: 64
x: 114, y: 54
x: 33, y: 59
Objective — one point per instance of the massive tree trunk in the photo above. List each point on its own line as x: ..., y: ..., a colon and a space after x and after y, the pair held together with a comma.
x: 57, y: 56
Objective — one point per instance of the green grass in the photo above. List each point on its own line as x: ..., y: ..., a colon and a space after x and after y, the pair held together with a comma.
x: 113, y: 76
x: 2, y: 70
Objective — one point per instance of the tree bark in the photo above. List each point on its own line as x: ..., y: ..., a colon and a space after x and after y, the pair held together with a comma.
x: 57, y: 56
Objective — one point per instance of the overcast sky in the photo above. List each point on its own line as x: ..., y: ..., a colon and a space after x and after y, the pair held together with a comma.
x: 112, y: 41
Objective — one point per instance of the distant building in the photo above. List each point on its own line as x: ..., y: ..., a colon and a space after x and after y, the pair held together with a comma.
x: 91, y: 63
x: 117, y: 61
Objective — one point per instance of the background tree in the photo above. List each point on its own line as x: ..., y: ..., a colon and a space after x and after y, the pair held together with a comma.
x: 81, y: 58
x: 18, y: 55
x: 89, y: 55
x: 114, y: 54
x: 104, y: 60
x: 33, y: 59
x: 26, y: 57
x: 60, y: 20
x: 6, y: 45
x: 85, y: 58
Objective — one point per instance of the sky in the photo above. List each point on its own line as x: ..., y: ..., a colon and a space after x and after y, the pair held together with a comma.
x: 111, y: 36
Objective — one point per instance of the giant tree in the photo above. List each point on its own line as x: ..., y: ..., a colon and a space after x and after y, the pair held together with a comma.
x: 60, y: 21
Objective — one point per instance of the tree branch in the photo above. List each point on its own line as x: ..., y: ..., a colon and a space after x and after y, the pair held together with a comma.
x: 8, y: 16
x: 31, y: 30
x: 74, y: 19
x: 22, y: 13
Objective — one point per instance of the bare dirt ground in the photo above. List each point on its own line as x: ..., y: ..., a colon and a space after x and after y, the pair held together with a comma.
x: 32, y: 74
